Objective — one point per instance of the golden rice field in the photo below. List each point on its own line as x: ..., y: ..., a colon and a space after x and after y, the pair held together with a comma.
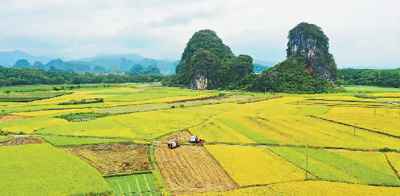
x: 240, y: 161
x: 311, y: 188
x: 344, y: 143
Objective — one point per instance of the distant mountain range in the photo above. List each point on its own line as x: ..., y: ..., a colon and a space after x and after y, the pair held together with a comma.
x: 260, y: 65
x: 8, y: 58
x: 115, y: 63
x: 123, y: 62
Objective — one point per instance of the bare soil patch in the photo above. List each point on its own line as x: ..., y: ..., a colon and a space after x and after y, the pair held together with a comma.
x: 114, y: 159
x: 21, y: 140
x: 189, y: 169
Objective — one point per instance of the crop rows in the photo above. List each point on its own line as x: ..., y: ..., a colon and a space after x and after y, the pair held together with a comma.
x: 191, y: 169
x: 138, y: 184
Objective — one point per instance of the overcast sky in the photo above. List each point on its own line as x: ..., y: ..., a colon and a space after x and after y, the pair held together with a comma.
x: 361, y: 32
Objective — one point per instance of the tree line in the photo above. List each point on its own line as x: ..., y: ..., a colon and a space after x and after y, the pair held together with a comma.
x: 370, y: 77
x: 28, y: 76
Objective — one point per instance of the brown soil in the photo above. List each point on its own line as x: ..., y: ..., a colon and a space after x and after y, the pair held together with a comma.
x: 111, y: 159
x: 191, y: 169
x: 11, y: 117
x: 21, y: 140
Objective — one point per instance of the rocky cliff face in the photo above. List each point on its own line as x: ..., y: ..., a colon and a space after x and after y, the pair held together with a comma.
x: 199, y: 82
x: 309, y: 42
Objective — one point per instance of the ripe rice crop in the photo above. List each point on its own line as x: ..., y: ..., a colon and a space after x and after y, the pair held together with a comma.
x: 139, y: 126
x: 341, y: 166
x: 279, y: 122
x: 394, y: 160
x: 382, y: 119
x: 42, y: 169
x: 30, y: 125
x: 254, y: 165
x: 58, y: 140
x: 51, y: 113
x: 310, y: 188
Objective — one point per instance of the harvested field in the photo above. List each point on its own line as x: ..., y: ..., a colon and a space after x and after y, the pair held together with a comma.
x: 182, y: 137
x: 21, y: 140
x: 111, y: 159
x: 10, y: 117
x: 191, y: 169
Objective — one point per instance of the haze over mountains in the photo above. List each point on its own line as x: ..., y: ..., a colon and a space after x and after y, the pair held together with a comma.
x: 104, y: 63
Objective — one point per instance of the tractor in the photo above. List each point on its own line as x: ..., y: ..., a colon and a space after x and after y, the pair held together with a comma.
x: 173, y: 144
x: 196, y: 140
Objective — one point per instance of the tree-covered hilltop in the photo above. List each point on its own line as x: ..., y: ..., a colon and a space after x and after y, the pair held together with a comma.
x: 289, y: 76
x: 310, y: 42
x: 207, y: 63
x: 309, y: 66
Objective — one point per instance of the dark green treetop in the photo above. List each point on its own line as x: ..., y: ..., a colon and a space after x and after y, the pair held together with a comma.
x: 220, y: 68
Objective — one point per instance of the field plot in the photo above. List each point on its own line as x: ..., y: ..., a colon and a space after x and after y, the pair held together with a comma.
x: 182, y: 137
x: 191, y: 169
x: 255, y: 165
x: 51, y: 113
x: 30, y: 125
x: 29, y: 96
x: 5, y: 118
x: 40, y: 169
x: 394, y: 161
x: 138, y: 126
x: 4, y: 138
x: 116, y: 95
x: 111, y: 159
x: 138, y: 184
x: 310, y: 188
x: 58, y: 140
x: 386, y: 120
x: 121, y: 95
x: 21, y: 140
x: 279, y: 122
x: 341, y: 166
x: 370, y: 89
x: 255, y: 144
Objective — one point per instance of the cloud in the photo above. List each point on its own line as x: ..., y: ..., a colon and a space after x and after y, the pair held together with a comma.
x: 361, y: 32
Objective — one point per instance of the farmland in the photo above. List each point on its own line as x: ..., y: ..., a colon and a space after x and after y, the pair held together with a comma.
x: 40, y: 168
x: 111, y: 159
x: 139, y: 184
x: 255, y: 143
x: 190, y: 169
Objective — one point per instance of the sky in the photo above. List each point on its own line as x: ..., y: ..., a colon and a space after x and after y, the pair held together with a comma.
x: 362, y: 32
